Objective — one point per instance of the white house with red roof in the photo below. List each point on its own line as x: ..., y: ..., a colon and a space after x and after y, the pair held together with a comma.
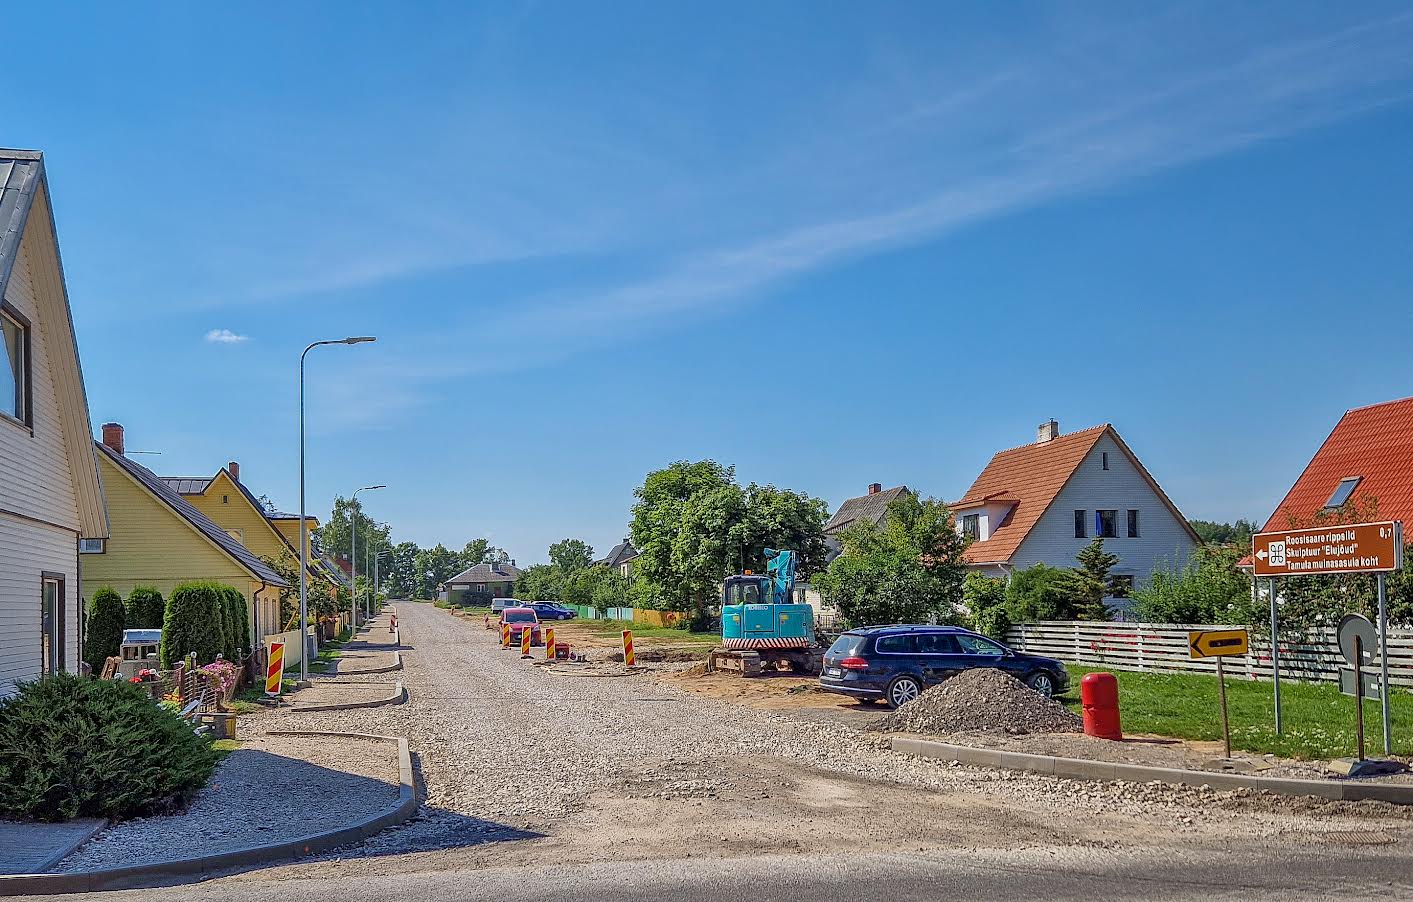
x: 1042, y: 503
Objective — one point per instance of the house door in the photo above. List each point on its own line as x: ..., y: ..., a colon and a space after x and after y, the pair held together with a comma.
x: 51, y: 624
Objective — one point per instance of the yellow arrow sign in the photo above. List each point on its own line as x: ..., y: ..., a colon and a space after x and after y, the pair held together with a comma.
x: 1216, y: 643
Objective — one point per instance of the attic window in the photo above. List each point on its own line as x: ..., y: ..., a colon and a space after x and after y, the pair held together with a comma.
x: 1342, y: 492
x: 15, y: 374
x: 1104, y: 459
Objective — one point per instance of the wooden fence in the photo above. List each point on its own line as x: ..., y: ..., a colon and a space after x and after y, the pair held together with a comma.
x: 1313, y: 656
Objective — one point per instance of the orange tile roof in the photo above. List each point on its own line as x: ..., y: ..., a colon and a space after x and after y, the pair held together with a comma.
x: 1030, y: 478
x: 1375, y: 443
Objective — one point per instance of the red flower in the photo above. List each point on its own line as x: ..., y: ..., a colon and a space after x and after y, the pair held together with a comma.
x: 135, y: 680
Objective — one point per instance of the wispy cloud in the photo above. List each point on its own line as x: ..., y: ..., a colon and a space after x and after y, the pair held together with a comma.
x: 225, y: 337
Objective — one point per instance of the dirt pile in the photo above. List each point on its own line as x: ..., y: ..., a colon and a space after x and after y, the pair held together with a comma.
x: 981, y: 699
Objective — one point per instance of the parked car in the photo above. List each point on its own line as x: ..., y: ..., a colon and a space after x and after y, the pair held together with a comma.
x: 549, y: 610
x: 896, y: 663
x: 521, y: 619
x: 500, y: 604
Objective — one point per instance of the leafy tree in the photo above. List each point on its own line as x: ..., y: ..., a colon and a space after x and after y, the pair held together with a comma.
x: 335, y: 534
x: 1208, y: 588
x: 1213, y: 533
x: 399, y: 571
x: 571, y: 555
x: 434, y: 566
x: 907, y: 569
x: 106, y: 618
x: 985, y: 600
x: 610, y: 590
x: 236, y: 622
x: 539, y: 582
x: 193, y: 624
x: 145, y: 608
x: 1042, y: 592
x: 780, y: 518
x: 480, y: 551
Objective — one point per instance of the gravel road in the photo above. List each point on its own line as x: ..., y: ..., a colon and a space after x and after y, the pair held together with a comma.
x: 632, y: 768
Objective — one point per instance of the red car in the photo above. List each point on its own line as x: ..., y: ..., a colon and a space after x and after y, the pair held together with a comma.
x: 519, y: 620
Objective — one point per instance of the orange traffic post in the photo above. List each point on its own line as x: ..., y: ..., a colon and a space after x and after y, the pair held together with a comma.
x: 275, y: 668
x: 505, y: 635
x: 549, y: 643
x: 628, y: 658
x: 525, y: 634
x: 1099, y: 697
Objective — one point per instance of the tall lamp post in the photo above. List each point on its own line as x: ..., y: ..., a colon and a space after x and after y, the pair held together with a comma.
x: 303, y: 524
x: 353, y: 551
x: 377, y: 559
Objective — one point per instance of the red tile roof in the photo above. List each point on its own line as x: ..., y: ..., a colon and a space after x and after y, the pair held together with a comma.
x: 1030, y: 478
x: 1375, y: 443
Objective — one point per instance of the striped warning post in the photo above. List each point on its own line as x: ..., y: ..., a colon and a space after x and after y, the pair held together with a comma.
x: 525, y: 632
x: 275, y: 668
x: 549, y: 643
x: 505, y: 635
x: 628, y: 658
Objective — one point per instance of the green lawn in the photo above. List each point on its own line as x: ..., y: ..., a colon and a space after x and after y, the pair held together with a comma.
x: 1318, y: 720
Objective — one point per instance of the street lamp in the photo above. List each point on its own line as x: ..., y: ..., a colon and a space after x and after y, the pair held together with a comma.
x: 303, y: 524
x: 377, y: 558
x: 353, y: 551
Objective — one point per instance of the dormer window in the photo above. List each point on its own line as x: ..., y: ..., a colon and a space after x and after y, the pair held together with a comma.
x: 1342, y: 492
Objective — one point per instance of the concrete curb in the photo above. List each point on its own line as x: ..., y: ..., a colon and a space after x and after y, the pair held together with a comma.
x: 395, y: 665
x: 398, y: 696
x: 1084, y: 769
x: 192, y: 870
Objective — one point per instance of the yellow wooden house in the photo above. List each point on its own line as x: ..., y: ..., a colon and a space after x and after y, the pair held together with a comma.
x: 157, y: 538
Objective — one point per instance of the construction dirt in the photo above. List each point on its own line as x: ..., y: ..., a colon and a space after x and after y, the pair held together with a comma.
x: 982, y: 699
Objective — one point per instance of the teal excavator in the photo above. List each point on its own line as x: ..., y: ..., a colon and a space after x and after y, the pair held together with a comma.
x: 762, y: 627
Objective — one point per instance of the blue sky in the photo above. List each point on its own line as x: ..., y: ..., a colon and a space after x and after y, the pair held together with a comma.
x: 831, y: 244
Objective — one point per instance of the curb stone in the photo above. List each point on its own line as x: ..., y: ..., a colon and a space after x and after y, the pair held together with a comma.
x: 395, y: 665
x: 398, y: 696
x: 1085, y: 769
x: 192, y: 870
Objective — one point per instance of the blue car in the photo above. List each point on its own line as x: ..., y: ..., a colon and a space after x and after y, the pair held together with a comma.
x: 896, y: 663
x: 549, y: 610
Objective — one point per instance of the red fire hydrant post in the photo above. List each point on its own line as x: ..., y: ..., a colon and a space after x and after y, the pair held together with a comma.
x: 1099, y: 696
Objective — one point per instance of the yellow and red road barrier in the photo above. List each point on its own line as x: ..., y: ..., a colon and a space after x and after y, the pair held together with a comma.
x: 275, y: 668
x: 505, y: 635
x: 549, y: 643
x: 628, y: 658
x: 525, y: 634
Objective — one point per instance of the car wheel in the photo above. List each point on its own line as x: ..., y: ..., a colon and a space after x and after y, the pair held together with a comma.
x: 1041, y: 682
x: 903, y: 690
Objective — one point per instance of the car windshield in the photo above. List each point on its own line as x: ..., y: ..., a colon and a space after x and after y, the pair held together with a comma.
x: 848, y: 644
x: 519, y: 616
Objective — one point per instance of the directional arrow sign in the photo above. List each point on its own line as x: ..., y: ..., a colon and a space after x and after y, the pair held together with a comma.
x: 1339, y: 548
x: 1216, y: 643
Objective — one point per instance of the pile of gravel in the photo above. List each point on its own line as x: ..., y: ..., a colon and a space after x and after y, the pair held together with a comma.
x: 981, y: 699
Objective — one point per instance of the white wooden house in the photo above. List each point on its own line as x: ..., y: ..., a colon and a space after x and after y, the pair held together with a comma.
x: 50, y: 496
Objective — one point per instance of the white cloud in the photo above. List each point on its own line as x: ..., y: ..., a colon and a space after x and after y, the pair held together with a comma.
x: 226, y: 337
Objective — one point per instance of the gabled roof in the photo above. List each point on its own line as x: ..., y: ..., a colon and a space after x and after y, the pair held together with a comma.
x: 1374, y: 443
x: 24, y: 189
x: 159, y: 489
x: 486, y: 573
x: 869, y: 508
x: 621, y: 553
x: 1029, y: 478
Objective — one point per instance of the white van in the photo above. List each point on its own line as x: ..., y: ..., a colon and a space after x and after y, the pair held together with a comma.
x: 500, y: 604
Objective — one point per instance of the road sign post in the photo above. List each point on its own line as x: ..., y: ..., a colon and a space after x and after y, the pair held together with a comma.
x: 1219, y: 644
x: 1383, y: 666
x: 1275, y: 654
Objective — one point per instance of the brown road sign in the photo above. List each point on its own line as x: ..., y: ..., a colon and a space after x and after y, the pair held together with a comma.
x: 1216, y: 643
x: 1348, y: 548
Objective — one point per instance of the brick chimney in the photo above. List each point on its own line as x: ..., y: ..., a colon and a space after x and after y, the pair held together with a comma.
x: 875, y: 487
x: 1047, y: 432
x: 234, y: 469
x: 113, y: 436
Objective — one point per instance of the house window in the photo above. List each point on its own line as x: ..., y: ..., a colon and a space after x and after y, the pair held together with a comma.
x: 1079, y: 521
x: 1132, y: 523
x: 1342, y: 492
x: 1104, y: 459
x: 971, y: 526
x: 225, y: 499
x: 14, y: 375
x: 92, y: 546
x: 480, y: 587
x: 51, y: 624
x: 1120, y: 586
x: 1106, y: 524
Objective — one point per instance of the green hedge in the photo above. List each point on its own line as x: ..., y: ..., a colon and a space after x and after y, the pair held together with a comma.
x: 237, y: 622
x: 104, y: 635
x: 194, y: 622
x: 146, y: 608
x: 75, y: 747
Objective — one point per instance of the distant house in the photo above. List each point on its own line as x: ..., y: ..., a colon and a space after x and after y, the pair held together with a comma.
x: 870, y: 508
x: 1043, y: 502
x: 1367, y: 461
x: 160, y: 539
x: 51, y: 498
x: 481, y: 583
x: 620, y: 558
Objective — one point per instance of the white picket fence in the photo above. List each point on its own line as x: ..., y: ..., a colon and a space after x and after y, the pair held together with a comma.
x: 1163, y: 647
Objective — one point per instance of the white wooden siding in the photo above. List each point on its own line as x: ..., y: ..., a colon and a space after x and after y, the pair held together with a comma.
x: 27, y: 549
x: 1162, y: 537
x: 35, y: 477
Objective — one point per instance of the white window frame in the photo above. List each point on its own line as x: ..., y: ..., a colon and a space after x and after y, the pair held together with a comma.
x: 86, y: 547
x: 24, y: 375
